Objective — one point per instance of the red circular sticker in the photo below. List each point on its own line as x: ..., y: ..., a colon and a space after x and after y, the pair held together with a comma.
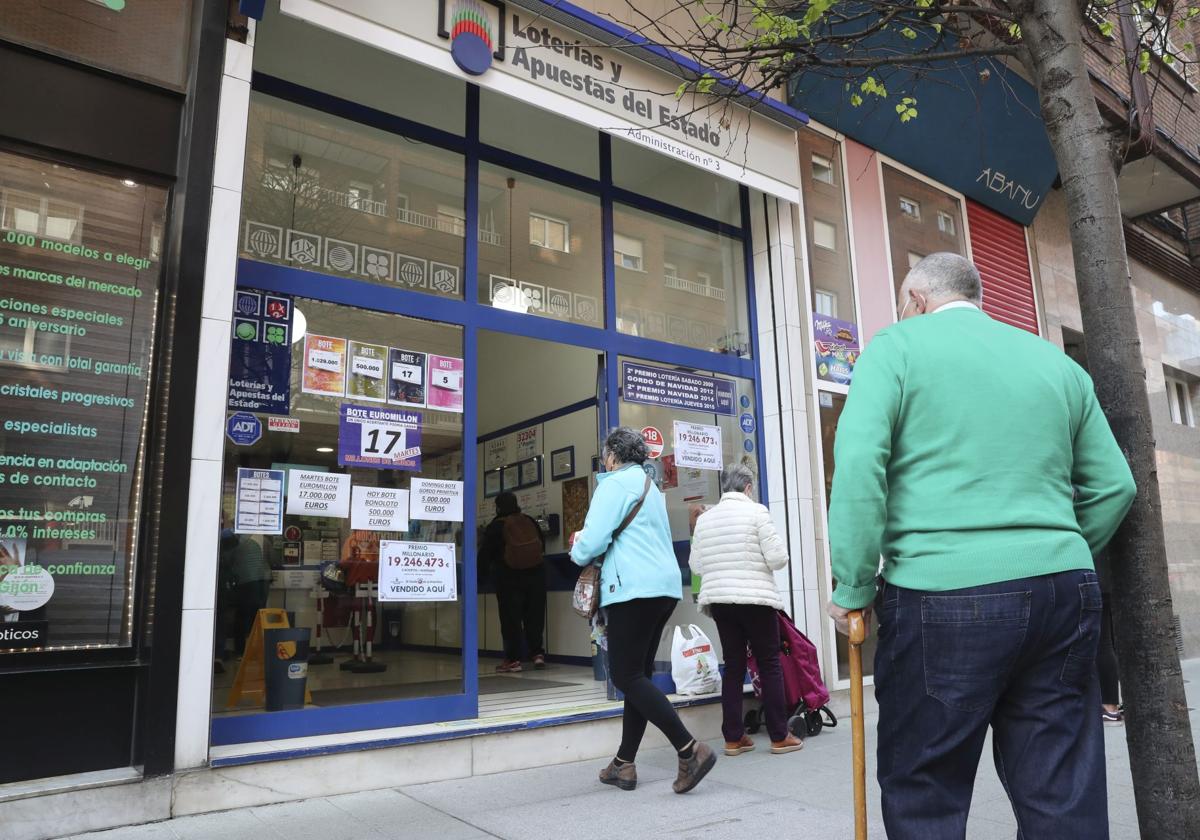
x: 291, y: 533
x: 654, y: 441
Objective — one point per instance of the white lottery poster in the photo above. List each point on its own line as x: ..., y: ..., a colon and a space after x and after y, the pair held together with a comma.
x: 378, y: 509
x: 440, y: 501
x: 318, y: 494
x: 258, y: 502
x: 697, y: 446
x: 417, y: 571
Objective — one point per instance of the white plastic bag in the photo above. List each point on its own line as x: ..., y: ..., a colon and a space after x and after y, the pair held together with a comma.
x: 694, y: 663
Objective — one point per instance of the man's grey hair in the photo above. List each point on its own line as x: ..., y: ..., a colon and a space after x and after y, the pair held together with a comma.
x: 626, y: 445
x: 945, y: 276
x: 735, y: 477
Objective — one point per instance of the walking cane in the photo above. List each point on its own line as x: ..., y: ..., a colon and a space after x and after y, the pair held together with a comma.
x: 858, y: 634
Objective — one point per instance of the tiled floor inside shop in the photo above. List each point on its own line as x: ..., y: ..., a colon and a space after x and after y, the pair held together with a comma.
x: 409, y: 674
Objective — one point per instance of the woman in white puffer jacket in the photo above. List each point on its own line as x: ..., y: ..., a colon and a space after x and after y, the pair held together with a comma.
x: 736, y: 551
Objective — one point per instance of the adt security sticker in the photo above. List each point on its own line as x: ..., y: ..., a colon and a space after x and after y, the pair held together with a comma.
x: 243, y: 429
x: 747, y: 423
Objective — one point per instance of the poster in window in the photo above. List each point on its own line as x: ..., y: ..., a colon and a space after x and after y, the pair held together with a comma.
x: 837, y: 349
x: 446, y: 383
x: 406, y: 378
x: 260, y: 353
x: 324, y: 366
x: 367, y: 375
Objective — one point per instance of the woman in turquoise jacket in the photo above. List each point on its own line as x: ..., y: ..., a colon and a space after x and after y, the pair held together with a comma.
x: 640, y: 584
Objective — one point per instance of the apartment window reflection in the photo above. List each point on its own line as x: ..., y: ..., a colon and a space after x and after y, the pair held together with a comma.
x: 825, y: 303
x: 922, y: 219
x: 946, y: 223
x: 550, y: 233
x: 628, y: 253
x: 910, y: 208
x: 824, y: 235
x: 822, y: 169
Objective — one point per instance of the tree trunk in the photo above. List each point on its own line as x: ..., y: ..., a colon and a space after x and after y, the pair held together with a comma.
x: 1161, y: 751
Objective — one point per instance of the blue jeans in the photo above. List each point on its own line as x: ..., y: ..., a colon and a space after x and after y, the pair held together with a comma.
x: 1019, y: 656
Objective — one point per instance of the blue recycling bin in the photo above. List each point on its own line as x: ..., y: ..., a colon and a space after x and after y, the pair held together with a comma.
x: 285, y: 665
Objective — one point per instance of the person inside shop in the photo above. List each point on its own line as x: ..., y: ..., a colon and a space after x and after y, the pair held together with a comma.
x: 640, y: 586
x: 248, y: 576
x: 514, y: 549
x: 736, y: 551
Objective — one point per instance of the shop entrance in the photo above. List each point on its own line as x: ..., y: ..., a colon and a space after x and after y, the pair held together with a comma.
x: 539, y: 410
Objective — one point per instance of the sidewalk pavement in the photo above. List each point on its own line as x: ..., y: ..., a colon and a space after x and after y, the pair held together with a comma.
x: 750, y: 796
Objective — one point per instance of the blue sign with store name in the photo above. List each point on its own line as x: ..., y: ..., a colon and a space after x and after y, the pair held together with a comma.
x: 676, y: 389
x: 978, y: 127
x: 747, y: 421
x: 243, y: 429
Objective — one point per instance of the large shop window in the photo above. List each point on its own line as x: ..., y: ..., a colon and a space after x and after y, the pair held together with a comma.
x: 79, y: 277
x: 539, y: 247
x: 148, y: 41
x: 325, y: 194
x: 922, y: 220
x: 835, y: 322
x: 365, y: 420
x: 686, y: 286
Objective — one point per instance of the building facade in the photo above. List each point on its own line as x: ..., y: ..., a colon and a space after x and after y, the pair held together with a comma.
x: 443, y: 249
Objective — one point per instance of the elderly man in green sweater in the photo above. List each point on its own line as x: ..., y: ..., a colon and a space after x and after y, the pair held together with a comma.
x: 974, y: 459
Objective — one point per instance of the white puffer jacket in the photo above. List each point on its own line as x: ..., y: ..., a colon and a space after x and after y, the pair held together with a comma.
x: 735, y: 550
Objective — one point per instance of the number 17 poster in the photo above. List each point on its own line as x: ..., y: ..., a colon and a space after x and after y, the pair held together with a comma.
x: 380, y: 438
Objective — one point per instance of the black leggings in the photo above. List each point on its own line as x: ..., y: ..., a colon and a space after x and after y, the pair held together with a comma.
x: 1106, y: 659
x: 634, y: 631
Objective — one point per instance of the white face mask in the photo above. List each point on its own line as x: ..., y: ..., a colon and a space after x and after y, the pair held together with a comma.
x: 904, y: 311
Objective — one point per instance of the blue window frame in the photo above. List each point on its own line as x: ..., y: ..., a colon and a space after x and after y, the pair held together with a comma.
x: 473, y: 316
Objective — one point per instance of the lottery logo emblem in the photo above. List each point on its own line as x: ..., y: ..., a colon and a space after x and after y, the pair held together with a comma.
x: 303, y: 248
x: 443, y: 278
x: 277, y: 309
x: 586, y: 309
x: 275, y: 334
x: 558, y: 303
x: 245, y: 329
x: 247, y: 303
x: 471, y: 37
x: 411, y: 271
x: 377, y: 264
x: 263, y: 240
x: 341, y: 257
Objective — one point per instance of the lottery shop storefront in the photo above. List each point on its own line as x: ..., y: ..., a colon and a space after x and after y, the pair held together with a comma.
x: 456, y: 271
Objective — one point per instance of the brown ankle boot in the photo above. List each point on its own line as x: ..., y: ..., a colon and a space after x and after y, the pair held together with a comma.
x: 623, y: 776
x: 738, y: 747
x: 692, y: 770
x: 789, y: 744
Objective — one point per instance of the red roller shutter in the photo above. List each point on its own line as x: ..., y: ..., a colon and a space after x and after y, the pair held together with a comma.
x: 1001, y: 253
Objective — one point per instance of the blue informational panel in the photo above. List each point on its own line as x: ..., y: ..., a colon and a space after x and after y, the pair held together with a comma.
x: 978, y: 127
x: 676, y: 389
